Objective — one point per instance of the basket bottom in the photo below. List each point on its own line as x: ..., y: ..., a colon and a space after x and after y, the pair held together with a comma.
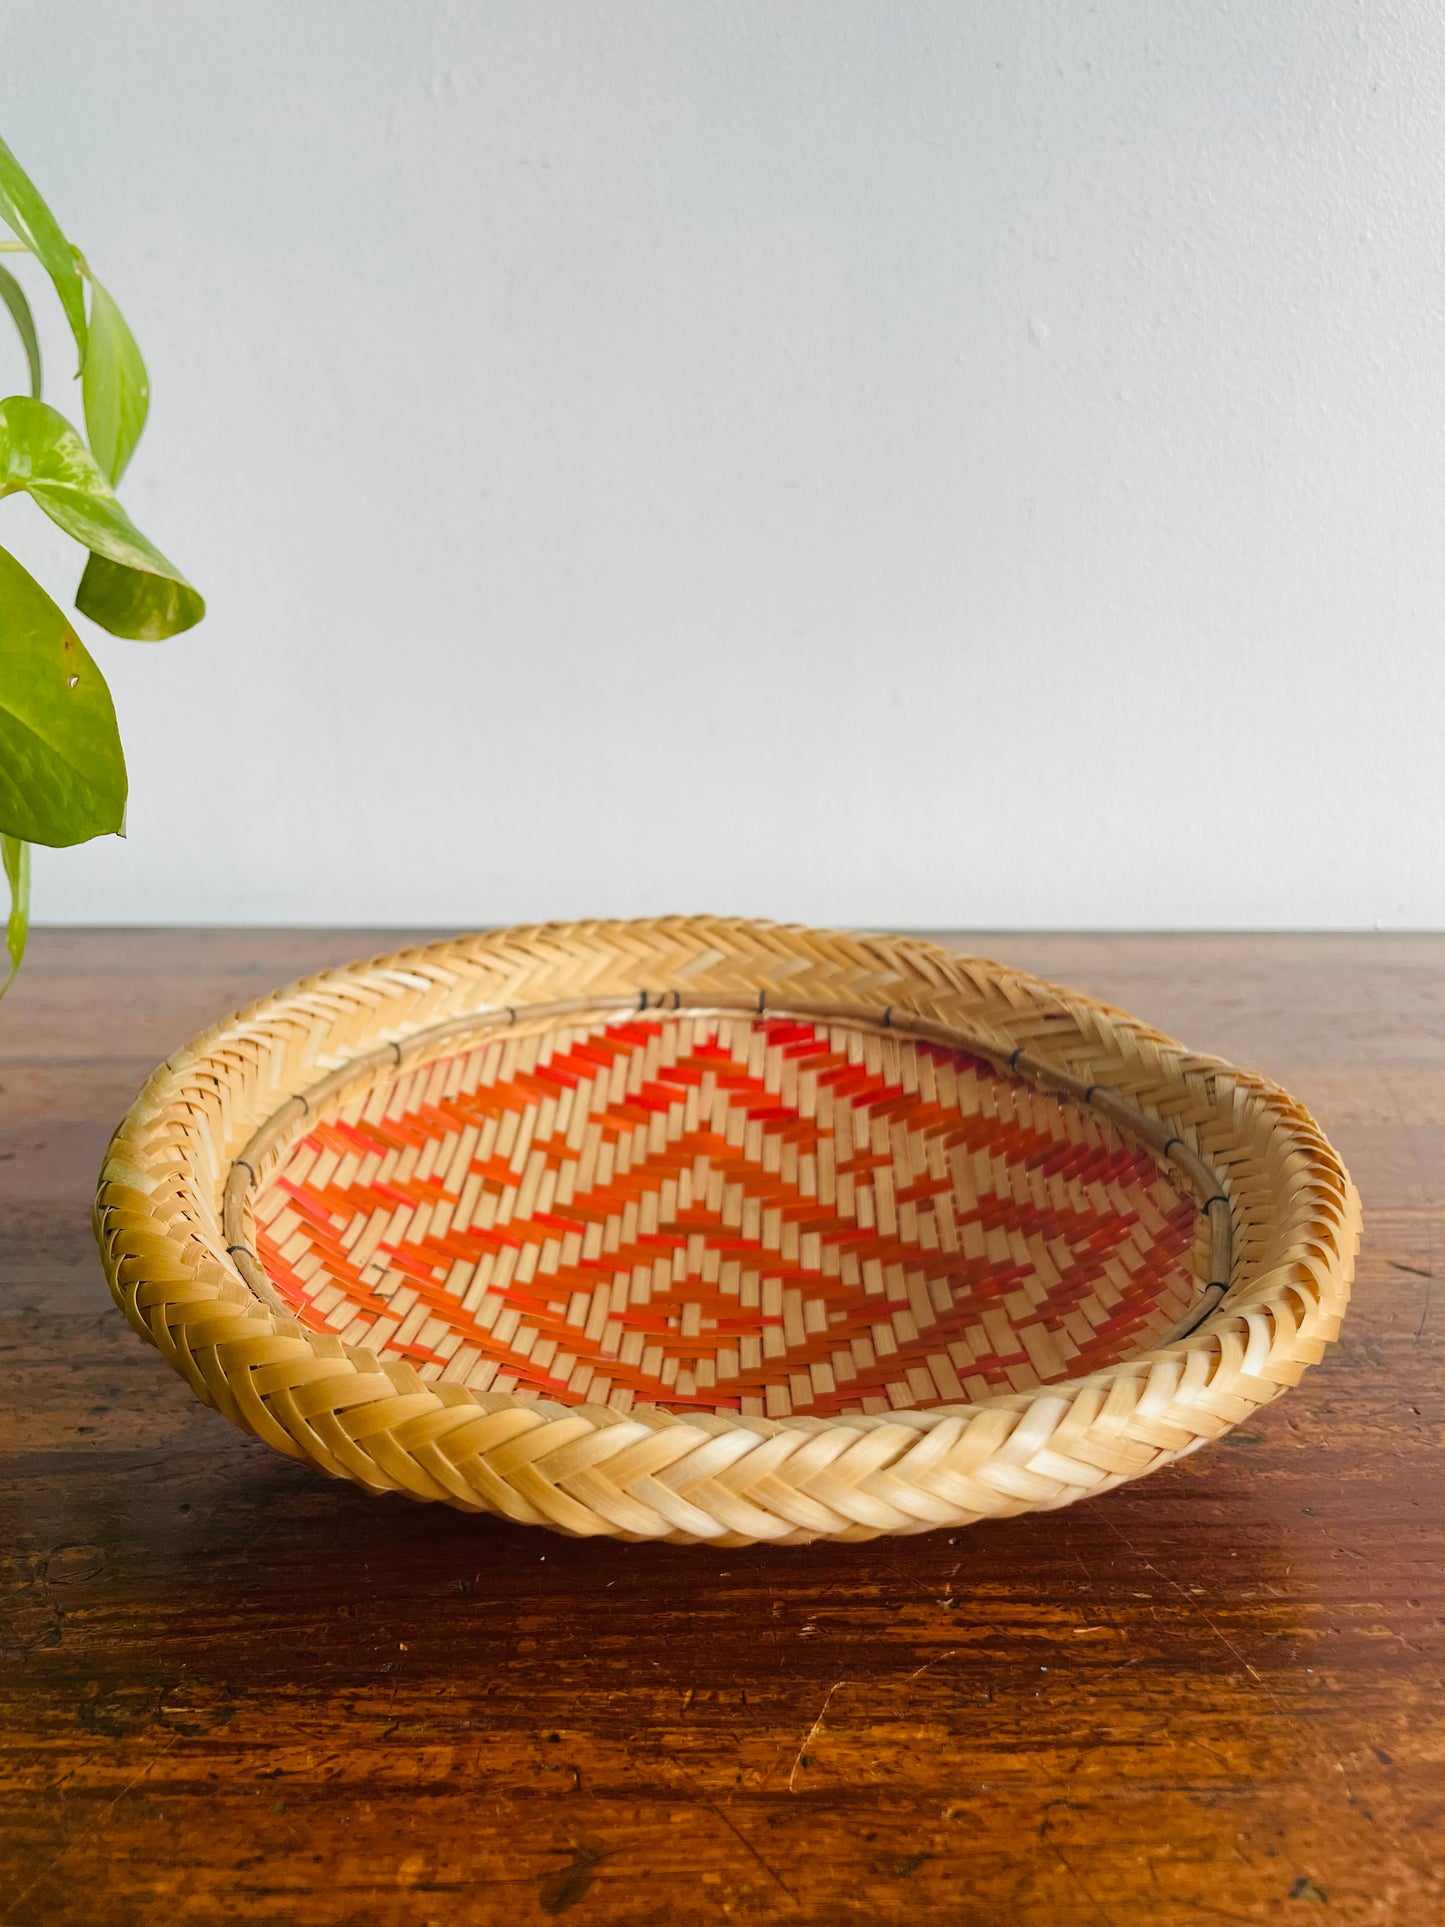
x: 755, y: 1215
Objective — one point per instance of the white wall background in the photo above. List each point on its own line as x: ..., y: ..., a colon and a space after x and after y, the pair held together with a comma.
x: 889, y: 461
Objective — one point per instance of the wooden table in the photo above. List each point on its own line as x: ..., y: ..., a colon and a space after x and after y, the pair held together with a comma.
x: 230, y: 1690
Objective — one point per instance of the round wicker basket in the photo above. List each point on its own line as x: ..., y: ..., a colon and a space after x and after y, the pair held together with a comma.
x: 702, y: 1229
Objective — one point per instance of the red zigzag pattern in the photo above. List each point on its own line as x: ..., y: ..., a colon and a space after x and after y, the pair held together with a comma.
x: 750, y: 1215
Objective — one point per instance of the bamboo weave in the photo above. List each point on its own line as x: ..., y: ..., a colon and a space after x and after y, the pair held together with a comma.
x: 699, y: 1229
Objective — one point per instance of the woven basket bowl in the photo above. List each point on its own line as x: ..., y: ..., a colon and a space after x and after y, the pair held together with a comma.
x: 701, y: 1229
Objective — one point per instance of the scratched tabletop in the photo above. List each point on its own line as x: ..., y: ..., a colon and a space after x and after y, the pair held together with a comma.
x: 231, y: 1690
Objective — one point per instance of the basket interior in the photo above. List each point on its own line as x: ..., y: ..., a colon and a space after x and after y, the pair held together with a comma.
x: 703, y: 1212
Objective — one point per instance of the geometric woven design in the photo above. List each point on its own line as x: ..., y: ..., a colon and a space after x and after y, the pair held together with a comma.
x: 760, y: 1216
x: 708, y: 1230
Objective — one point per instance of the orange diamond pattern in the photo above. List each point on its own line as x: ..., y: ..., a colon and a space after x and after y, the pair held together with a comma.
x: 761, y: 1216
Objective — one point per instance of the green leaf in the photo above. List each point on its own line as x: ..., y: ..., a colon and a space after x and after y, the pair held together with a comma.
x: 17, y: 871
x: 130, y: 603
x: 13, y: 295
x: 128, y: 586
x: 23, y: 210
x: 62, y: 772
x: 115, y: 385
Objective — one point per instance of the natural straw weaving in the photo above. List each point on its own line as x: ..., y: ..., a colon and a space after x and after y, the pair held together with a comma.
x: 703, y: 1229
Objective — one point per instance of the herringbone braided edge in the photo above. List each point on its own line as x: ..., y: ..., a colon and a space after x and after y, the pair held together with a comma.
x: 717, y: 1477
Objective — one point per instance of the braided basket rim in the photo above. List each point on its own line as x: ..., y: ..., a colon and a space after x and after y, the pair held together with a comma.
x: 1282, y: 1210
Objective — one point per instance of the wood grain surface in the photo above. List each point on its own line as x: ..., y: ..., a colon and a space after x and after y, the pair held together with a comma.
x: 233, y: 1691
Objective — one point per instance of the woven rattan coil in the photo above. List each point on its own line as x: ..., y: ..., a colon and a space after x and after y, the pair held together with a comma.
x: 701, y: 1229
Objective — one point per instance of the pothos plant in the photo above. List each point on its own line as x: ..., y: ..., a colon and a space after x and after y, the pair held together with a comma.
x: 62, y: 770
